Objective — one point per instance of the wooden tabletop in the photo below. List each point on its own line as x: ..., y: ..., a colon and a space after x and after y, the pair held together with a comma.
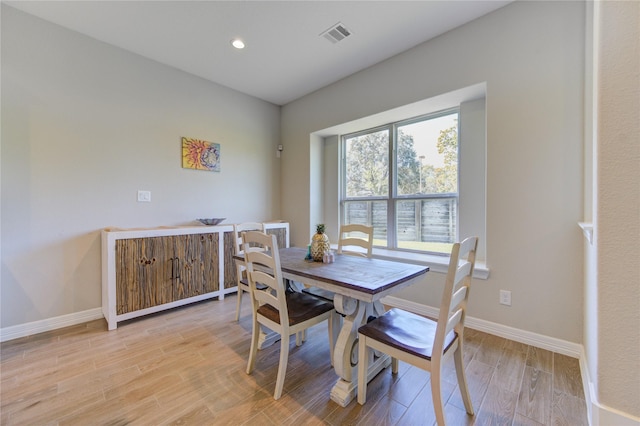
x: 363, y: 275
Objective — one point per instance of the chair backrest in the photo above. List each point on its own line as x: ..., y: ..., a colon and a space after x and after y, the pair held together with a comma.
x: 363, y: 238
x: 456, y: 291
x: 239, y: 228
x: 262, y: 260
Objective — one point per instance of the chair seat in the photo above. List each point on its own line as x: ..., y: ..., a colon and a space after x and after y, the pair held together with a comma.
x: 407, y: 332
x: 320, y: 293
x: 259, y: 286
x: 300, y: 307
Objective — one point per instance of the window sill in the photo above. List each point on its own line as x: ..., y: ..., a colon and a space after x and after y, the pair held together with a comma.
x: 438, y: 264
x: 435, y: 263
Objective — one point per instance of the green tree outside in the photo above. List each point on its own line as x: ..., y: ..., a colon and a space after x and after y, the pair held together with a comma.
x: 368, y: 171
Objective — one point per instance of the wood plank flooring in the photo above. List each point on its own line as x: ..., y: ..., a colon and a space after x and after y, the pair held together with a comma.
x: 187, y: 367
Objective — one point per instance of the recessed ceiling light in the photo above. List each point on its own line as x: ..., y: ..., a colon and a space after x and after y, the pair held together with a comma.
x: 237, y: 43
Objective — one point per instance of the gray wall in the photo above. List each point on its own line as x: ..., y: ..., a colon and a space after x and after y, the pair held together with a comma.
x: 531, y: 57
x: 84, y: 126
x: 615, y: 265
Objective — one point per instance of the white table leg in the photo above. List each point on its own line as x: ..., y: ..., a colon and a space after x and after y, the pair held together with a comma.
x: 346, y: 351
x: 267, y: 337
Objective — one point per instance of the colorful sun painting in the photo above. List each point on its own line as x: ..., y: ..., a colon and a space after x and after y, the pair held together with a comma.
x: 200, y: 155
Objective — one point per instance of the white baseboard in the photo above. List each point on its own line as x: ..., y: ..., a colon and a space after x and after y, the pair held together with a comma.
x: 556, y: 345
x: 35, y: 327
x: 597, y: 413
x: 573, y: 350
x: 600, y: 414
x: 603, y: 416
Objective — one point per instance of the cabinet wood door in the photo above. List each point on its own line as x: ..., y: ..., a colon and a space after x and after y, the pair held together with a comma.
x: 230, y: 272
x: 197, y: 259
x: 143, y: 272
x: 209, y: 269
x: 281, y: 236
x: 157, y: 270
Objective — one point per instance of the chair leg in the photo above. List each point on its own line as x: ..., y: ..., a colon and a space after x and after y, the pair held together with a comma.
x: 394, y: 365
x: 301, y: 337
x: 239, y: 303
x: 282, y: 367
x: 436, y: 393
x: 255, y: 334
x: 462, y: 379
x: 362, y: 369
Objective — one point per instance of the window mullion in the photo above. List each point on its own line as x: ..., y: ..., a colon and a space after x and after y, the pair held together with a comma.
x: 392, y: 241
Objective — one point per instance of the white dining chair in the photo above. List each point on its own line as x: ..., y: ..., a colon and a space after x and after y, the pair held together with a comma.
x: 243, y: 283
x: 421, y: 341
x: 354, y: 238
x: 283, y: 312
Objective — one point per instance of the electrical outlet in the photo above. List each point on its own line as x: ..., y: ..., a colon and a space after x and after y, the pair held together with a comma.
x: 144, y: 196
x: 505, y: 297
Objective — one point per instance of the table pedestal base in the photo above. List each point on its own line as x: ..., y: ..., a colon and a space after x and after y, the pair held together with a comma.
x: 267, y: 338
x: 344, y: 392
x: 345, y: 355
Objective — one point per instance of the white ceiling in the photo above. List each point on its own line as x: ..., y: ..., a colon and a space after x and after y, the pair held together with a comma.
x: 285, y: 58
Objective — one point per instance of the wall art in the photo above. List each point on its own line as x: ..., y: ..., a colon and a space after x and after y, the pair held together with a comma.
x: 200, y: 155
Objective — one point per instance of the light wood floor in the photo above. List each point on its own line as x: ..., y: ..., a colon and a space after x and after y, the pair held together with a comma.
x: 187, y: 367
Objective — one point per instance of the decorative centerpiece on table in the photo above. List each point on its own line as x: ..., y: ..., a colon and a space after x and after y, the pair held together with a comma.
x: 319, y: 243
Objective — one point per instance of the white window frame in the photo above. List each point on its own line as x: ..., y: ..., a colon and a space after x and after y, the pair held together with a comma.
x: 325, y: 176
x: 392, y: 197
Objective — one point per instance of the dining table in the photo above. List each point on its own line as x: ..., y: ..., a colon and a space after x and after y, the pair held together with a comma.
x: 358, y: 283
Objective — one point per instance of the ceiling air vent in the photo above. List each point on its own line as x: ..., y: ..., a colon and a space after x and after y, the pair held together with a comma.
x: 336, y: 33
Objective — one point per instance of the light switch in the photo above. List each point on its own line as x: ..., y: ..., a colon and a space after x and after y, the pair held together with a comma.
x: 144, y: 196
x: 505, y: 297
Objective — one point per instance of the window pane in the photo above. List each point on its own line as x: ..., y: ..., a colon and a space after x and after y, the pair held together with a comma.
x: 427, y: 225
x: 370, y: 213
x: 424, y: 170
x: 367, y: 165
x: 427, y: 156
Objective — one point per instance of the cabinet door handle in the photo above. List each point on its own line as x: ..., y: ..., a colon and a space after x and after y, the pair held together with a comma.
x: 177, y: 275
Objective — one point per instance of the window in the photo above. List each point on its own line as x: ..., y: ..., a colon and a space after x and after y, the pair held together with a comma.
x: 402, y: 178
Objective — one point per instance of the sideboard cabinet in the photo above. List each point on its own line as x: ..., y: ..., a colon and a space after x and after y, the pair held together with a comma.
x: 149, y: 270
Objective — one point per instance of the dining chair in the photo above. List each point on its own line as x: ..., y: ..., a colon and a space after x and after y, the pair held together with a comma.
x: 354, y: 237
x: 283, y: 312
x: 360, y: 244
x: 423, y: 342
x: 243, y: 283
